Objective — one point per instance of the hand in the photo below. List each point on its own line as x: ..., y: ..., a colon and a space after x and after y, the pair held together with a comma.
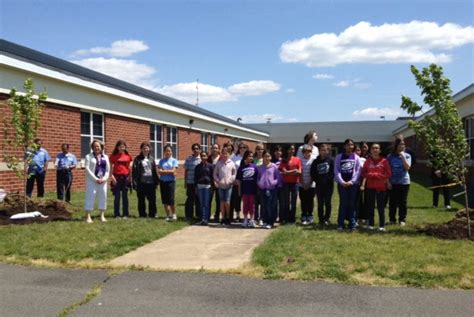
x: 362, y: 188
x: 389, y: 186
x: 438, y: 173
x: 99, y: 181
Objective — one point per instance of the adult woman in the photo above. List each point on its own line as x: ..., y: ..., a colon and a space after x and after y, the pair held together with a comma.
x: 376, y: 173
x: 290, y: 168
x: 400, y: 163
x: 145, y: 181
x: 97, y: 172
x: 346, y: 175
x: 310, y: 139
x: 120, y: 164
x: 167, y: 171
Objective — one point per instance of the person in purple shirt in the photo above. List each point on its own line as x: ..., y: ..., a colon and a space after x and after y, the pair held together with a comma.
x: 247, y: 187
x: 346, y: 174
x: 267, y: 181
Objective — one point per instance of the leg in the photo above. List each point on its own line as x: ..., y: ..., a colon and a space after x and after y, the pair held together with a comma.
x: 320, y: 198
x: 403, y: 202
x: 68, y: 186
x: 59, y: 186
x: 40, y: 183
x: 342, y: 206
x: 381, y: 208
x: 294, y: 197
x: 436, y: 182
x: 125, y: 197
x: 370, y: 205
x: 188, y: 206
x: 151, y: 196
x: 328, y: 203
x: 30, y: 184
x: 285, y: 212
x: 141, y: 194
x: 393, y: 203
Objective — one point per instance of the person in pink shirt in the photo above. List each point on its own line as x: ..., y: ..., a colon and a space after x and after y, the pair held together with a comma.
x: 376, y: 174
x: 224, y: 177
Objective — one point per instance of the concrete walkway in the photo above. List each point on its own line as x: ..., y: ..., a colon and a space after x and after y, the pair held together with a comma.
x: 196, y: 247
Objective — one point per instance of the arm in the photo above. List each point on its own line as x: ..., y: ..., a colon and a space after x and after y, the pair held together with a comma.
x: 89, y: 172
x: 337, y: 171
x: 74, y: 162
x: 107, y: 168
x: 357, y: 171
x: 406, y: 163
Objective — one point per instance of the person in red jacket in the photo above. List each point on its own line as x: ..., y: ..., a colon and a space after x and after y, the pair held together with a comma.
x: 376, y: 174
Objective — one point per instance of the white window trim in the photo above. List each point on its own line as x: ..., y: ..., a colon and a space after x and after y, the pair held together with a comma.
x: 205, y: 145
x: 169, y: 140
x: 155, y: 142
x: 91, y: 135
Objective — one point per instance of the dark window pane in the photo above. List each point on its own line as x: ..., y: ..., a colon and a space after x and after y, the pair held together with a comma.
x: 152, y: 132
x: 152, y: 149
x: 471, y: 124
x: 471, y: 141
x: 85, y: 146
x: 159, y: 151
x: 97, y: 124
x: 85, y: 123
x: 175, y: 151
x: 158, y: 133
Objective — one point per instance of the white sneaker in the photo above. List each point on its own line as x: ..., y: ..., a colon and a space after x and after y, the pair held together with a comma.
x: 168, y: 218
x: 175, y: 217
x: 370, y: 227
x: 252, y: 224
x: 268, y: 226
x: 382, y: 229
x: 448, y: 207
x: 402, y: 224
x: 260, y: 223
x: 305, y: 222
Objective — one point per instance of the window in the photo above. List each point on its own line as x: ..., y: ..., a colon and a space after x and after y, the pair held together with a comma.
x: 172, y: 139
x: 92, y: 128
x: 469, y: 129
x: 213, y: 139
x: 205, y: 142
x: 156, y: 141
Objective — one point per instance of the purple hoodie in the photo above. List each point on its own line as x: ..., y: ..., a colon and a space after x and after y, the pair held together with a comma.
x: 347, y: 168
x: 268, y: 176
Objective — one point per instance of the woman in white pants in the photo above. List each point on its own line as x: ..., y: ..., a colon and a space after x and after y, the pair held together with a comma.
x: 97, y: 173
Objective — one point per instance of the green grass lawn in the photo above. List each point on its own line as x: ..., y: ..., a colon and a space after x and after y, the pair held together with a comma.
x: 400, y: 256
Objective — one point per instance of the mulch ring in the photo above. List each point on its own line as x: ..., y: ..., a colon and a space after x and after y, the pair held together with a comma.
x: 14, y: 204
x: 455, y: 229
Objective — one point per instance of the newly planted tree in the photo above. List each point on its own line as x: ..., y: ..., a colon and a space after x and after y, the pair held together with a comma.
x: 21, y: 131
x: 441, y: 131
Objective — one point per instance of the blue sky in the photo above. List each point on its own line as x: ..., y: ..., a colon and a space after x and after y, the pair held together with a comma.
x: 291, y: 61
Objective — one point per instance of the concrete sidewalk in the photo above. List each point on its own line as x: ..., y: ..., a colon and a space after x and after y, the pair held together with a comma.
x: 197, y: 247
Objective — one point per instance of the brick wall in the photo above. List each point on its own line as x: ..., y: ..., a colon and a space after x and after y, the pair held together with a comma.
x: 133, y: 132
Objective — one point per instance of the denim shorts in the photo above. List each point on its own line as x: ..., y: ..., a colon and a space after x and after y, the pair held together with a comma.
x: 225, y: 194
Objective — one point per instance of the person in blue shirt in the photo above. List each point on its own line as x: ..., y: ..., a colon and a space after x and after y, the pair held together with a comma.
x: 167, y: 169
x: 65, y: 163
x: 38, y: 160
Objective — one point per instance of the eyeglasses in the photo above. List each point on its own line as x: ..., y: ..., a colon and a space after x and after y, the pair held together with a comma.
x: 196, y: 149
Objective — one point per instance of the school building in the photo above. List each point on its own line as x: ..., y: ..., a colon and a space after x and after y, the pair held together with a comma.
x: 84, y: 105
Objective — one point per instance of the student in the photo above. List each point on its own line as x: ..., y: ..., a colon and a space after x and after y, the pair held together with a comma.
x: 213, y: 159
x: 376, y: 174
x: 346, y: 174
x: 290, y: 168
x: 203, y: 179
x: 145, y: 180
x: 400, y: 163
x: 224, y: 177
x: 97, y: 167
x: 167, y: 171
x: 236, y: 200
x: 310, y: 139
x: 120, y: 164
x: 276, y: 159
x: 247, y: 187
x: 267, y: 182
x: 322, y: 172
x: 65, y: 163
x: 38, y: 164
x: 307, y: 187
x: 361, y: 208
x: 258, y: 160
x: 192, y: 206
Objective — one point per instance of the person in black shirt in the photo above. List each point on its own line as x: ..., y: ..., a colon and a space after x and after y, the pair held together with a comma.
x: 322, y: 172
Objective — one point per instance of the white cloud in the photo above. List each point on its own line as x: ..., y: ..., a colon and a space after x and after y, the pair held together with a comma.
x: 342, y: 83
x: 254, y: 88
x: 121, y: 48
x: 355, y: 83
x: 187, y: 92
x: 262, y: 118
x: 413, y: 42
x: 323, y: 76
x: 376, y: 113
x: 124, y: 69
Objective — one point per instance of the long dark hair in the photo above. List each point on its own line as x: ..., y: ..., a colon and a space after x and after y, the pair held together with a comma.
x: 284, y: 156
x: 117, y: 145
x: 246, y: 154
x: 399, y: 139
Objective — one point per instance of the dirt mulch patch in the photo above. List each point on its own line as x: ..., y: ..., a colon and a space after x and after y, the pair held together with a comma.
x: 14, y: 204
x: 455, y: 229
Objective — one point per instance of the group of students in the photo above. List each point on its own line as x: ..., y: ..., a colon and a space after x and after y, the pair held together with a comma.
x: 263, y: 185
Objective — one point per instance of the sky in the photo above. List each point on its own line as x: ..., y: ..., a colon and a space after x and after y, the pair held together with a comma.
x: 284, y: 61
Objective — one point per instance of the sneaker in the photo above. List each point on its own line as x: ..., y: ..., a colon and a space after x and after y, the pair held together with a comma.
x: 204, y: 223
x: 268, y: 226
x: 103, y: 219
x: 168, y: 218
x: 402, y: 223
x: 174, y: 217
x: 448, y: 207
x: 305, y: 222
x: 125, y: 217
x: 354, y: 229
x: 326, y: 223
x: 370, y: 227
x: 310, y: 220
x: 393, y: 223
x: 340, y: 229
x: 260, y: 223
x: 245, y: 223
x: 382, y: 229
x: 434, y: 206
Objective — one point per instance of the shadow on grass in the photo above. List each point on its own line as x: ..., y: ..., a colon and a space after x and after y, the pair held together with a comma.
x: 391, y: 230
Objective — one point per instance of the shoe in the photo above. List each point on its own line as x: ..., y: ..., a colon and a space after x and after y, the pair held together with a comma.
x: 252, y: 224
x: 174, y: 217
x: 304, y: 219
x: 125, y: 217
x: 245, y: 224
x: 354, y: 229
x: 402, y: 223
x: 168, y: 218
x: 268, y: 226
x: 326, y: 223
x: 434, y: 206
x: 382, y: 229
x: 310, y: 220
x: 393, y: 223
x: 370, y: 227
x: 340, y: 229
x: 260, y: 223
x: 448, y: 207
x: 305, y: 222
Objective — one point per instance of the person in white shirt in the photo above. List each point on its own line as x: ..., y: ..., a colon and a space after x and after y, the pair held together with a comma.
x: 309, y: 139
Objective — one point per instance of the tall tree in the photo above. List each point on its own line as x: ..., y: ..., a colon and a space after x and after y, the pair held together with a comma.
x: 21, y: 131
x: 442, y: 130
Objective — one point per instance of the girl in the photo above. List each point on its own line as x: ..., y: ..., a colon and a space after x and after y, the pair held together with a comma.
x: 236, y: 201
x: 306, y: 189
x: 400, y: 163
x: 120, y: 164
x: 145, y: 180
x: 276, y: 159
x: 258, y: 160
x: 267, y: 181
x: 224, y: 177
x: 309, y: 139
x: 213, y: 159
x: 247, y: 187
x: 290, y: 168
x: 167, y: 171
x: 346, y: 174
x: 203, y: 180
x: 97, y: 172
x: 361, y: 208
x: 322, y: 172
x: 376, y: 173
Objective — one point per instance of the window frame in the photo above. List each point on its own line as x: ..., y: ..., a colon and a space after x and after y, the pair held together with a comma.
x: 155, y: 142
x: 205, y: 142
x: 169, y: 140
x: 91, y: 134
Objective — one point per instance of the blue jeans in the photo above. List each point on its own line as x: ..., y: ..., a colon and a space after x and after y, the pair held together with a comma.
x: 269, y: 207
x: 347, y: 200
x: 225, y: 194
x: 205, y: 200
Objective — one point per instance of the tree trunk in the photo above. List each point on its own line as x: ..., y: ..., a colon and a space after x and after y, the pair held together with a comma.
x: 25, y: 178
